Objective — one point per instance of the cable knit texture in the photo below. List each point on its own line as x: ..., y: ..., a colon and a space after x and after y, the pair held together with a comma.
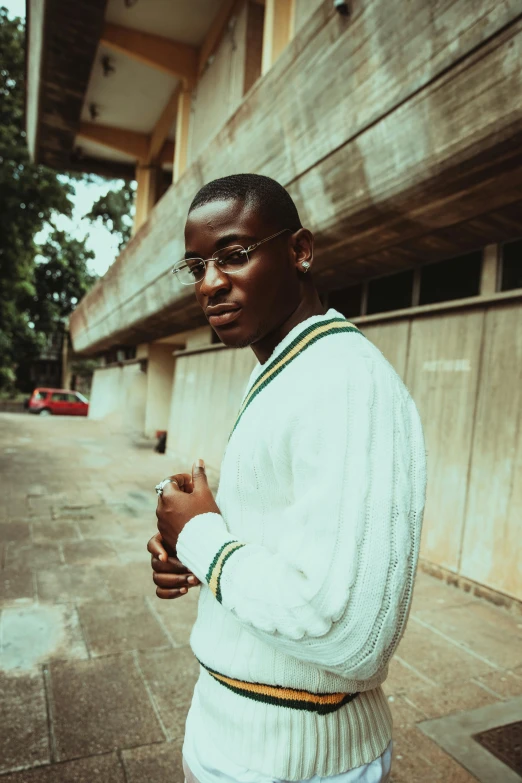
x: 308, y: 571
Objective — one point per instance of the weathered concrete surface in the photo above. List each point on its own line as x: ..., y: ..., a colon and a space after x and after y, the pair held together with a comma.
x: 96, y: 674
x: 397, y: 134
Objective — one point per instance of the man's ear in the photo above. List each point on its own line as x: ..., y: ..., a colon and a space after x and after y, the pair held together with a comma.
x: 303, y: 245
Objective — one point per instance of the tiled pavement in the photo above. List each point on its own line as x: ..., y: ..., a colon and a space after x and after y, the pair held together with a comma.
x: 95, y: 672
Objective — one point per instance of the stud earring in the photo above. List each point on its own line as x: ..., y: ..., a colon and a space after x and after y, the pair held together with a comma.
x: 306, y: 266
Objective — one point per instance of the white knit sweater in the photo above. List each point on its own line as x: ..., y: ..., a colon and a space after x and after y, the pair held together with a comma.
x: 308, y: 571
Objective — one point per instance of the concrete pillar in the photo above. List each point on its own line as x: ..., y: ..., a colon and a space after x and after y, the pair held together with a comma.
x: 160, y: 373
x: 147, y: 194
x: 182, y: 133
x: 278, y: 30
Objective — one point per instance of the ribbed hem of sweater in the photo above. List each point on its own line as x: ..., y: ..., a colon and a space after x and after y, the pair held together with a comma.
x: 271, y: 740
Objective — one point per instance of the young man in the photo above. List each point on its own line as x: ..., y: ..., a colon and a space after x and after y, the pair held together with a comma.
x: 307, y: 555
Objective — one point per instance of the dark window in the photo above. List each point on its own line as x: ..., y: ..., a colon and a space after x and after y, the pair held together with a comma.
x: 59, y: 397
x: 346, y: 300
x: 454, y: 278
x: 511, y: 266
x: 392, y: 292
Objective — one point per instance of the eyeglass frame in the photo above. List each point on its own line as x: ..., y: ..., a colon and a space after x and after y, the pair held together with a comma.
x: 246, y: 250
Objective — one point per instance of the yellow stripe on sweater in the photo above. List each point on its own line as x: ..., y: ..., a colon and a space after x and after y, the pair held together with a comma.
x: 216, y: 572
x: 328, y: 327
x: 280, y: 693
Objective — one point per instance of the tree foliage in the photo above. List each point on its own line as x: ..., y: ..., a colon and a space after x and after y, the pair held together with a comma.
x: 114, y: 210
x: 30, y: 197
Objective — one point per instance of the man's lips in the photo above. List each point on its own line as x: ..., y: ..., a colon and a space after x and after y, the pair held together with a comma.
x: 219, y: 315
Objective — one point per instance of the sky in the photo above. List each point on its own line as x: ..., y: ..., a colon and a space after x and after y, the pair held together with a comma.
x: 99, y: 239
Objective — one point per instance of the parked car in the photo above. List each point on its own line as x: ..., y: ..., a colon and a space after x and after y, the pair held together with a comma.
x: 58, y: 402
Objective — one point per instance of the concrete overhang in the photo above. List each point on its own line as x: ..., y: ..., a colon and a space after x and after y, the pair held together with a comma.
x: 423, y: 166
x: 100, y: 70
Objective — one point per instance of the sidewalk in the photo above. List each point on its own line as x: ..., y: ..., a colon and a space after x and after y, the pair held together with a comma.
x: 96, y: 674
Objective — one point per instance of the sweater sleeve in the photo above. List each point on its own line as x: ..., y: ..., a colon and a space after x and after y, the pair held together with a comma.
x: 335, y: 588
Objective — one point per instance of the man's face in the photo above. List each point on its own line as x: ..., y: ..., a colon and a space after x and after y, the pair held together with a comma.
x: 264, y: 293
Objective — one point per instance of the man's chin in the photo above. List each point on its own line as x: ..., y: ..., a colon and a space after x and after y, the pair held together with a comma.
x: 234, y: 339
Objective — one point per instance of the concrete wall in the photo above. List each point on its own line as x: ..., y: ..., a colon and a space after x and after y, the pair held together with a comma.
x: 405, y: 107
x: 160, y: 375
x: 463, y: 368
x: 119, y: 395
x: 464, y: 371
x: 220, y: 90
x: 207, y: 389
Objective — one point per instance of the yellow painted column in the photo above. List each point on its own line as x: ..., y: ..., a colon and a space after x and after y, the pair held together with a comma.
x: 278, y: 30
x: 182, y: 133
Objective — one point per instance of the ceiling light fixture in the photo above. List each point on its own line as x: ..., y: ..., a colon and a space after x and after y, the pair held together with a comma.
x: 107, y: 65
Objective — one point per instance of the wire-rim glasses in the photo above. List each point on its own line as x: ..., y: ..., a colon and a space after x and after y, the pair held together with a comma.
x: 230, y: 260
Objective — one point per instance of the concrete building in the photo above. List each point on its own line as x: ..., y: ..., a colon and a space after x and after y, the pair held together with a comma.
x: 398, y: 131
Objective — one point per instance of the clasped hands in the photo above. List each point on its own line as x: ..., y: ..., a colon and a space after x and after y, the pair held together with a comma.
x: 183, y: 498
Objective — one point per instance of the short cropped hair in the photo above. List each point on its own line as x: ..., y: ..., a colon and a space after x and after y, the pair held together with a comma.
x: 271, y: 198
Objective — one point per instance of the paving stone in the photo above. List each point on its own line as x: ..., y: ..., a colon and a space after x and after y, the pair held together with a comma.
x: 471, y: 625
x: 23, y: 557
x: 438, y: 658
x: 436, y: 701
x: 59, y: 532
x: 119, y: 626
x: 178, y: 615
x: 100, y: 705
x: 171, y: 676
x: 24, y: 737
x: 506, y: 683
x: 16, y: 585
x: 128, y: 579
x: 416, y: 759
x: 15, y: 531
x: 96, y: 769
x: 71, y: 583
x: 134, y: 552
x: 155, y: 763
x: 404, y: 678
x: 88, y: 552
x: 34, y: 633
x: 101, y: 528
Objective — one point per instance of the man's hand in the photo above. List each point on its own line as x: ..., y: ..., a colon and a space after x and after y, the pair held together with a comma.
x: 181, y: 501
x: 171, y: 577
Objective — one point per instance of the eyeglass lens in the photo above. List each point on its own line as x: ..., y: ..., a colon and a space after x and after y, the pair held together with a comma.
x: 228, y: 259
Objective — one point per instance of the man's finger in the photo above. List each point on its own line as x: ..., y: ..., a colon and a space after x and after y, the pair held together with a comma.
x: 199, y: 476
x: 171, y: 566
x: 156, y: 548
x: 170, y: 581
x: 169, y: 594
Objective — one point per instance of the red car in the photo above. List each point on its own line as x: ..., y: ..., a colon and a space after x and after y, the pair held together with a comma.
x: 58, y: 402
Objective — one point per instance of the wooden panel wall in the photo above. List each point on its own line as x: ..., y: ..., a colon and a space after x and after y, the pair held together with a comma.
x: 442, y: 376
x: 206, y: 394
x: 492, y: 547
x: 392, y: 340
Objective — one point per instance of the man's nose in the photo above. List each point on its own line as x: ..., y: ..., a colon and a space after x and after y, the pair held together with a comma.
x: 214, y: 280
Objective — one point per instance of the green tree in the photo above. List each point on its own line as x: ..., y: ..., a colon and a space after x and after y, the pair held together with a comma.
x: 115, y: 210
x: 30, y: 197
x: 61, y: 278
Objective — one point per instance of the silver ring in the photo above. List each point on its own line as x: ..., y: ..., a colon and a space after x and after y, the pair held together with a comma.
x: 161, y: 486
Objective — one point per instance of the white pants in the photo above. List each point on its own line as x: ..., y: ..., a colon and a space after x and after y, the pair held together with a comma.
x: 377, y: 771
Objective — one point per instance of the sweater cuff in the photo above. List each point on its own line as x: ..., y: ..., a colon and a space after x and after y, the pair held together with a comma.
x: 204, y: 545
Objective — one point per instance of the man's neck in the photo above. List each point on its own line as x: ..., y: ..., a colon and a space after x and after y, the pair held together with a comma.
x: 307, y: 307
